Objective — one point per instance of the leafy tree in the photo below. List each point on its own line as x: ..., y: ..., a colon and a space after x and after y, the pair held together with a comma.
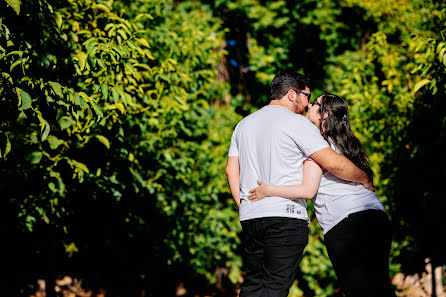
x: 112, y: 120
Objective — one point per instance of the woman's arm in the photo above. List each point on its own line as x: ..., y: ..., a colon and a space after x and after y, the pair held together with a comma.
x: 306, y: 190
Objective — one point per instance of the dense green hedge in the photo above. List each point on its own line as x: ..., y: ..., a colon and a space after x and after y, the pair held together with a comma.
x: 112, y: 121
x: 115, y: 124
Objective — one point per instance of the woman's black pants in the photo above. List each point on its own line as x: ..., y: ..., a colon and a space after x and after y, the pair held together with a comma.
x: 358, y: 248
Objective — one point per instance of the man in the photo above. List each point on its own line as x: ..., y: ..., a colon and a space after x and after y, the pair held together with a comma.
x: 271, y: 145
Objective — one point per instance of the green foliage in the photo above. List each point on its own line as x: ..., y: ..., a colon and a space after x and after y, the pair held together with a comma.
x: 105, y: 107
x: 112, y: 115
x: 15, y: 4
x: 315, y: 266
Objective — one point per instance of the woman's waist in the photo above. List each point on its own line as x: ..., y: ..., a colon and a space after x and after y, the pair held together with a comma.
x: 345, y: 200
x: 343, y: 189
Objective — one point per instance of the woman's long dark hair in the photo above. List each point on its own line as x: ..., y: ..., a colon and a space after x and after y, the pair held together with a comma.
x: 335, y: 128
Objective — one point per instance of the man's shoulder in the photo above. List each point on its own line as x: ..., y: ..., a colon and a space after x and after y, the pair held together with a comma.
x: 301, y: 118
x: 303, y: 128
x: 277, y: 115
x: 297, y: 121
x: 274, y: 111
x: 252, y: 116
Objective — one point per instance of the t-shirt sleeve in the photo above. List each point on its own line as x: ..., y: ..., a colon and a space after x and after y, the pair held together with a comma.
x: 308, y: 138
x: 233, y: 148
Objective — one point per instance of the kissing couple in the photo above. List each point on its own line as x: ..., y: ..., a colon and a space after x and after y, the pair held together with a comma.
x: 279, y: 158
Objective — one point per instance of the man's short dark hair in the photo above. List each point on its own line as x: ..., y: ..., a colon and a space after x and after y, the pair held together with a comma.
x: 286, y: 80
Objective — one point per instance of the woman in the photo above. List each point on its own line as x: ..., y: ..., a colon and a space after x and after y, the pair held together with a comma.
x: 353, y: 220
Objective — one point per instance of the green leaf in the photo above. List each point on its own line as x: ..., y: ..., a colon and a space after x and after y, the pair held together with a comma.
x: 123, y: 96
x: 440, y: 55
x: 18, y: 53
x: 42, y: 123
x: 15, y: 4
x: 81, y: 166
x: 420, y: 84
x: 124, y: 36
x: 104, y: 89
x: 71, y: 249
x: 82, y: 57
x: 56, y: 88
x: 14, y: 65
x: 24, y: 99
x: 115, y: 95
x: 54, y: 142
x: 153, y: 122
x: 144, y: 42
x: 35, y: 157
x: 77, y: 99
x: 7, y: 77
x: 58, y: 19
x: 46, y: 131
x: 65, y: 122
x: 101, y: 7
x: 7, y: 146
x: 91, y: 46
x: 144, y: 66
x: 22, y: 116
x: 440, y: 45
x: 29, y: 222
x: 149, y: 55
x: 121, y: 107
x: 52, y: 187
x: 97, y: 109
x: 143, y: 16
x: 103, y: 140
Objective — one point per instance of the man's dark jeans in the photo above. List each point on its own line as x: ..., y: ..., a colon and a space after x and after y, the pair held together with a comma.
x: 273, y: 248
x: 358, y: 248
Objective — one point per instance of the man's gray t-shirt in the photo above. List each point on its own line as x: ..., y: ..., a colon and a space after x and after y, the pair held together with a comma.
x: 271, y: 145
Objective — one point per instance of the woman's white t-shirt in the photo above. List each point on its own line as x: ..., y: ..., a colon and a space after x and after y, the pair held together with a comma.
x: 337, y: 198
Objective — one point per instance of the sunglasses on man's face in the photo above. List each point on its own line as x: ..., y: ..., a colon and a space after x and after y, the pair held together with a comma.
x: 305, y: 93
